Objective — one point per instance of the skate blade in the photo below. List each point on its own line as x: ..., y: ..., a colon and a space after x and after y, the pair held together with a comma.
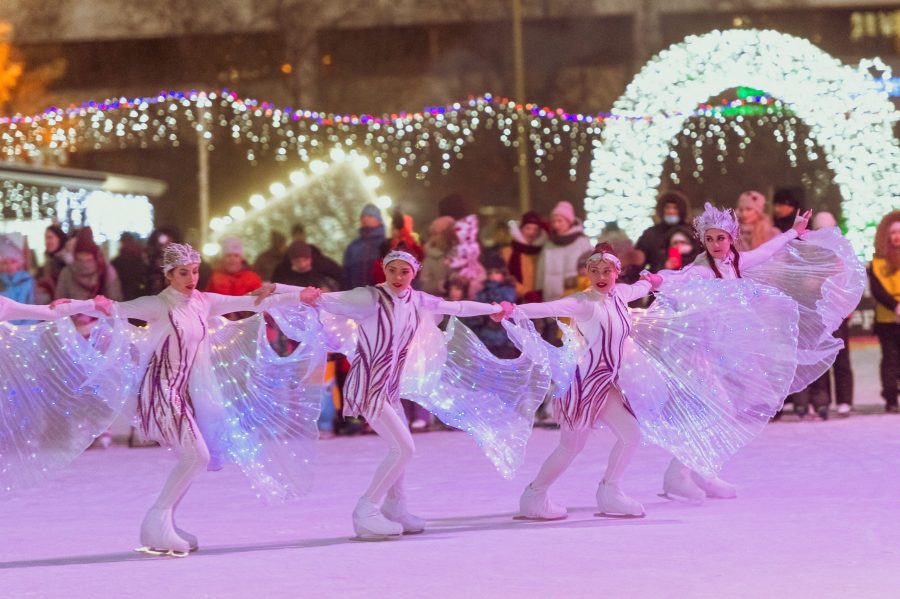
x: 376, y: 538
x: 413, y: 532
x: 540, y: 519
x: 619, y: 516
x: 680, y: 499
x: 161, y: 552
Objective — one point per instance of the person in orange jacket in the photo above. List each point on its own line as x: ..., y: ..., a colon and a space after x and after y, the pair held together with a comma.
x: 233, y: 277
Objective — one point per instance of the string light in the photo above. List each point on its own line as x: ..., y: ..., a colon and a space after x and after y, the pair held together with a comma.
x: 846, y: 109
x: 859, y: 145
x: 403, y: 141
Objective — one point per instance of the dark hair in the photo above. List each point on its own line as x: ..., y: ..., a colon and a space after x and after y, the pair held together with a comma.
x: 604, y: 247
x: 397, y: 219
x: 400, y: 247
x: 883, y: 248
x: 60, y: 234
x: 458, y: 282
x: 736, y: 262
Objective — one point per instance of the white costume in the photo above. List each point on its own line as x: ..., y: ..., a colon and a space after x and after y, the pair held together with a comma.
x: 55, y: 397
x: 819, y: 272
x: 399, y: 352
x: 594, y: 395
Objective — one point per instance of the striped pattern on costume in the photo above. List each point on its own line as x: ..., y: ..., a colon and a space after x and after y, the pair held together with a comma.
x: 374, y: 377
x: 598, y: 369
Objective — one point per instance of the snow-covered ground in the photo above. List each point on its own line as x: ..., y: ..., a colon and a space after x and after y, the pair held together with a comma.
x: 818, y: 516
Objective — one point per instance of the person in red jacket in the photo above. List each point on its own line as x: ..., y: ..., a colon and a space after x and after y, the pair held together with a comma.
x: 233, y: 276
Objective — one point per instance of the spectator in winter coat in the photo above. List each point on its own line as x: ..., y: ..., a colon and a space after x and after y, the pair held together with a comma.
x: 89, y: 275
x: 303, y: 272
x: 131, y: 265
x: 233, y: 277
x: 820, y: 390
x: 884, y: 280
x: 682, y: 249
x: 671, y: 211
x: 558, y: 263
x: 55, y: 259
x: 436, y: 263
x: 364, y: 251
x: 786, y: 206
x: 321, y: 263
x: 15, y: 283
x: 756, y: 226
x: 523, y: 254
x: 266, y: 263
x: 499, y: 287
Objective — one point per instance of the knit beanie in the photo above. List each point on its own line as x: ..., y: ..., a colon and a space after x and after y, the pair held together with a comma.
x: 565, y: 210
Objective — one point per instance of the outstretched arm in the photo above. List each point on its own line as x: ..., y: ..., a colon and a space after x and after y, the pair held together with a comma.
x: 752, y: 258
x: 764, y: 252
x: 10, y: 310
x: 226, y: 304
x: 464, y: 309
x: 570, y: 307
x: 629, y: 293
x: 148, y: 308
x: 358, y: 304
x: 691, y: 272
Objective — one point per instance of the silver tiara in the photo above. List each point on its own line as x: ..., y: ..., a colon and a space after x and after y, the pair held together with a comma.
x: 177, y: 254
x: 401, y: 255
x: 608, y: 257
x: 713, y: 218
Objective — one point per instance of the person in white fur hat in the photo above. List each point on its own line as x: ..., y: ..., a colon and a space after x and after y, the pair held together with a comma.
x: 756, y: 225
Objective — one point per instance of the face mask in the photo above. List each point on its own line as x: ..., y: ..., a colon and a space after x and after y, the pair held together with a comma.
x: 683, y: 248
x: 671, y: 219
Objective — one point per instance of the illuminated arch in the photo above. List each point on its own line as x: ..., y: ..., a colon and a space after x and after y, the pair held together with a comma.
x: 848, y: 115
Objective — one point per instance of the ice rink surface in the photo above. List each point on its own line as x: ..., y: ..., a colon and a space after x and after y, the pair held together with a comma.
x: 818, y: 516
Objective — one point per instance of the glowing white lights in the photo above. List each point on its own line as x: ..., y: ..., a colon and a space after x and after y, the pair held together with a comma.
x: 328, y: 199
x: 860, y: 147
x: 111, y: 214
x: 318, y: 167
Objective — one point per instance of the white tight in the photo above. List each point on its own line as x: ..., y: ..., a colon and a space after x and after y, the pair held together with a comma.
x: 623, y: 425
x: 388, y: 478
x: 193, y: 457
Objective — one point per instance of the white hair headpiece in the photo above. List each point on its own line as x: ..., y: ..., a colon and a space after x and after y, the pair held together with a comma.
x: 177, y: 254
x: 404, y: 256
x: 713, y: 218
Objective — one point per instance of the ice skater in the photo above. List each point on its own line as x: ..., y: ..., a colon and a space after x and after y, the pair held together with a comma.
x: 168, y: 397
x: 601, y: 315
x: 389, y: 316
x: 821, y: 274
